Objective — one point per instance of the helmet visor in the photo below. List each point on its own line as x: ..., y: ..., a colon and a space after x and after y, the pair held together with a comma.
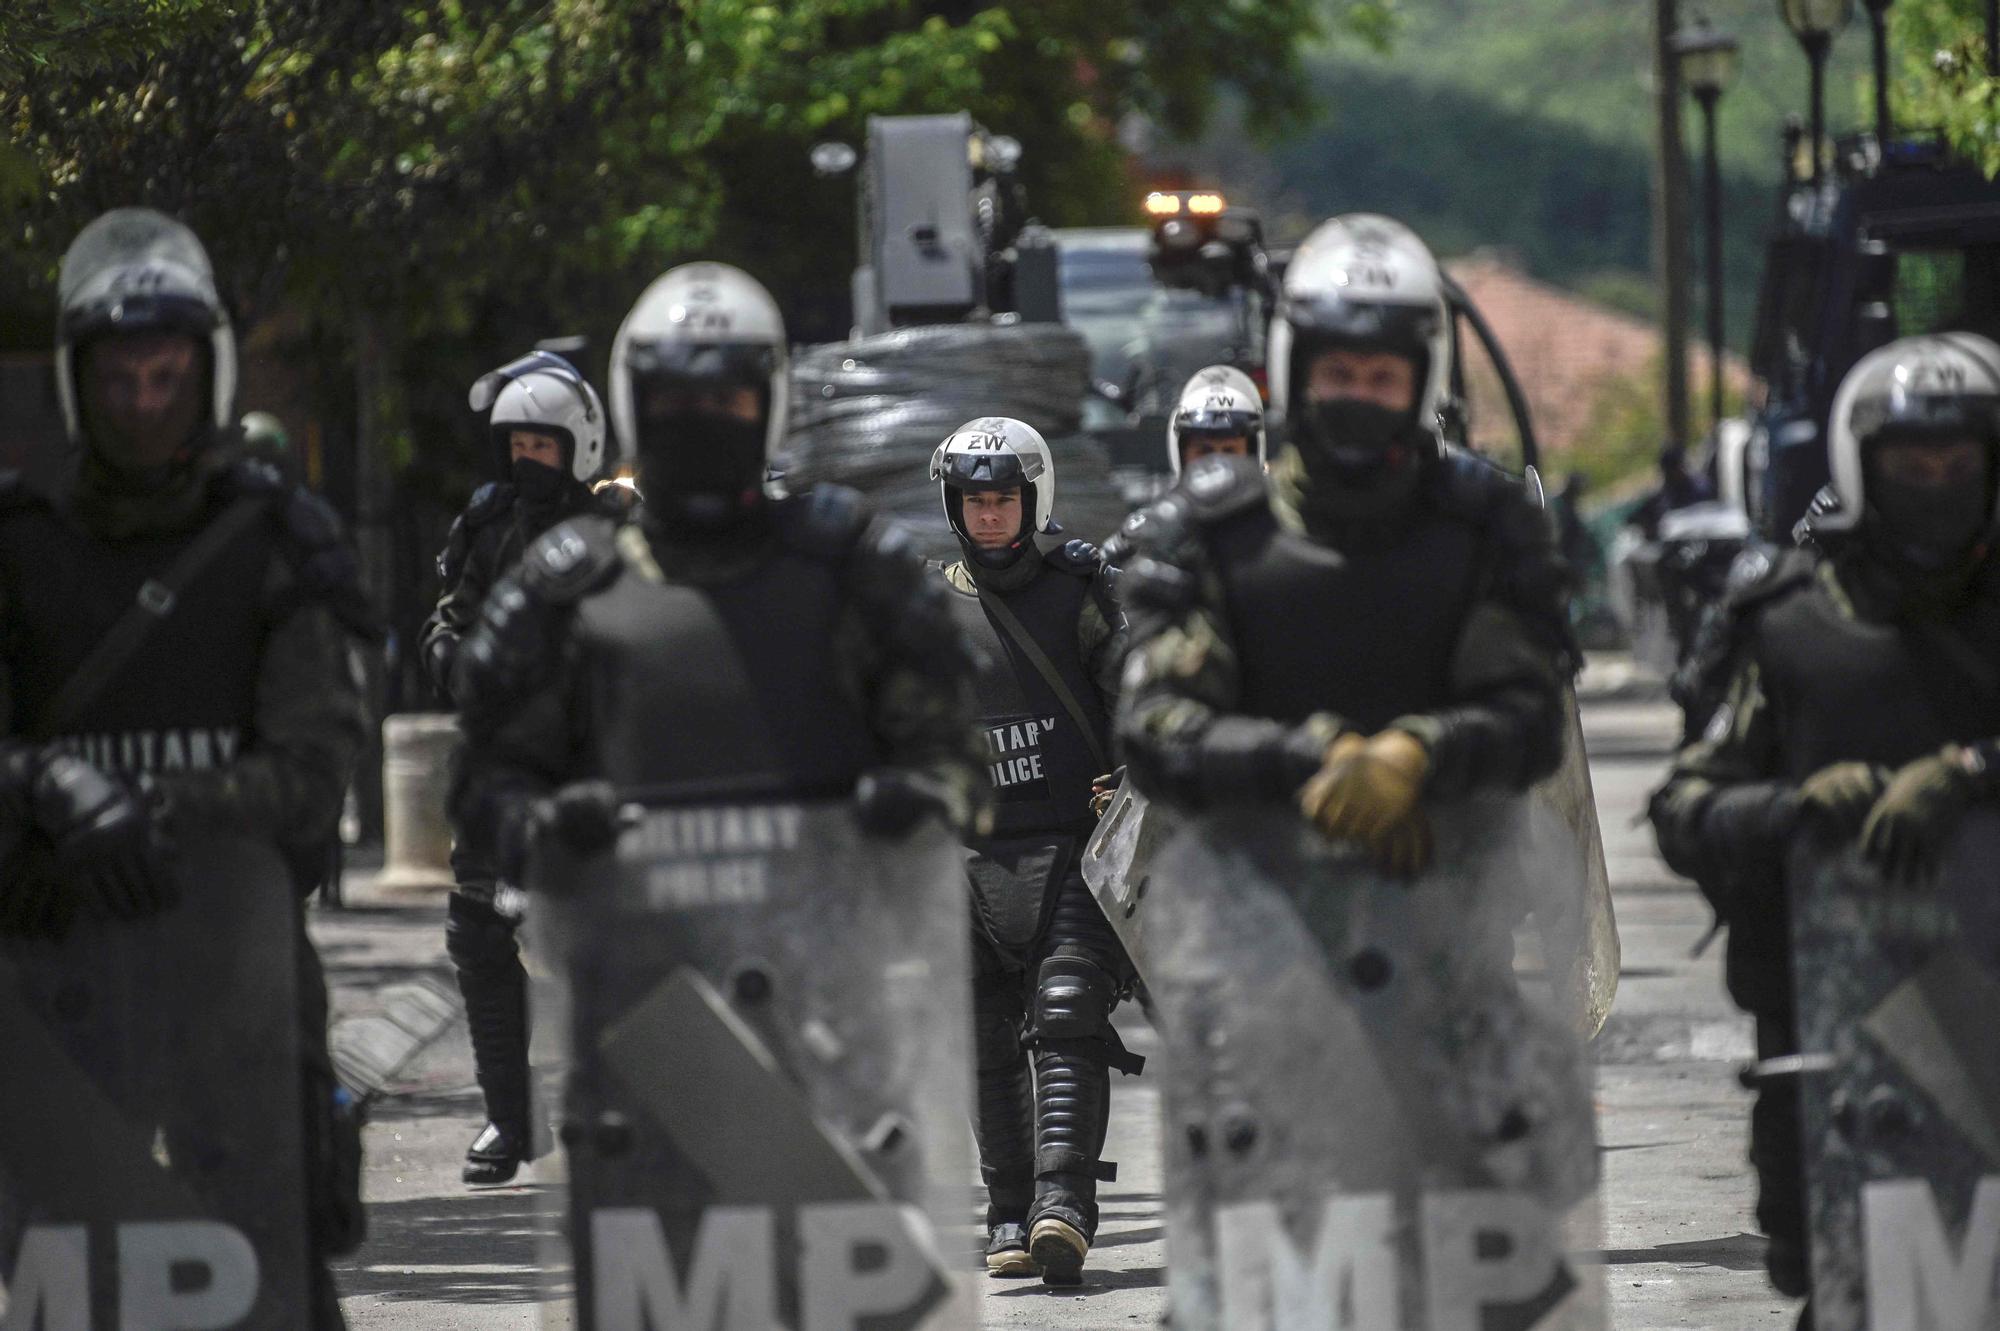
x: 487, y: 388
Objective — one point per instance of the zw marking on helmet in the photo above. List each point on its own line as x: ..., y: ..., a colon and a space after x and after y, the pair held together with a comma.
x: 1219, y: 402
x: 992, y: 443
x: 1947, y: 376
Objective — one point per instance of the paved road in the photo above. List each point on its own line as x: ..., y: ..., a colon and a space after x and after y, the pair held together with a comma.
x: 1678, y: 1246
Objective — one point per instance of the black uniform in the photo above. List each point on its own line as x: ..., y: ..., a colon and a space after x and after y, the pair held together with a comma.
x: 787, y: 656
x: 1047, y: 969
x: 1829, y: 663
x: 240, y: 708
x: 1263, y: 630
x: 484, y: 543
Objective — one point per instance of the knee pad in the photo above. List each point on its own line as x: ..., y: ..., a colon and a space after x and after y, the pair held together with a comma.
x: 1073, y: 998
x: 476, y: 936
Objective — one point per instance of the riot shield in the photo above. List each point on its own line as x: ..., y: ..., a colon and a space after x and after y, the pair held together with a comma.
x: 1369, y: 1121
x: 1576, y: 933
x: 151, y: 1167
x: 1898, y: 991
x: 768, y: 1071
x: 1571, y: 944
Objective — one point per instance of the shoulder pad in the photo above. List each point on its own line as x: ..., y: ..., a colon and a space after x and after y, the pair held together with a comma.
x: 1078, y: 557
x: 322, y: 559
x: 489, y: 502
x: 570, y: 560
x: 1216, y: 487
x: 827, y: 520
x: 254, y: 476
x: 1760, y: 576
x: 1471, y: 487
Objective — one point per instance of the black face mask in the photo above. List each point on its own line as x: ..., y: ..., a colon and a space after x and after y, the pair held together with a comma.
x: 1355, y: 442
x: 701, y: 459
x: 538, y: 484
x: 1929, y: 529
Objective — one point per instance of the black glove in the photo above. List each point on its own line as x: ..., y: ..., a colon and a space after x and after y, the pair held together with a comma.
x: 890, y: 801
x: 108, y: 843
x: 1912, y: 824
x: 584, y: 818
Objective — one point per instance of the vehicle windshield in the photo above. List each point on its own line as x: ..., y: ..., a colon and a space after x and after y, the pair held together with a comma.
x: 1948, y: 290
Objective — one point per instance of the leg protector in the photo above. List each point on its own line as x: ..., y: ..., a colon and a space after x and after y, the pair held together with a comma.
x: 483, y: 948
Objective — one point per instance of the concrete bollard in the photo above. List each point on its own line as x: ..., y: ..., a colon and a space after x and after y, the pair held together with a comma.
x: 417, y: 749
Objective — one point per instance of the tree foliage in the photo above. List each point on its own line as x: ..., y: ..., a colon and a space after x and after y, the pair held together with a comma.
x: 1943, y: 81
x: 422, y: 160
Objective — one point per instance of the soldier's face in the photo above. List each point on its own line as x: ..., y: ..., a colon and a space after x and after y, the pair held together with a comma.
x: 738, y: 403
x: 1382, y: 378
x: 993, y: 517
x: 1932, y: 464
x: 142, y: 395
x: 535, y: 446
x: 1195, y: 447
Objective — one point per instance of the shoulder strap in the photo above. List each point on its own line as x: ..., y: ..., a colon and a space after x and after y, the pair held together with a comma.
x: 156, y: 600
x: 1046, y: 668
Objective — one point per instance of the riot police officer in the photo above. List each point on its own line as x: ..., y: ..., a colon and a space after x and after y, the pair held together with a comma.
x: 1861, y: 700
x: 1220, y: 411
x: 1380, y: 626
x: 179, y: 720
x: 547, y: 430
x: 1047, y: 970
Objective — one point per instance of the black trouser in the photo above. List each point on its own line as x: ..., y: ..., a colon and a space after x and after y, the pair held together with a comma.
x: 1776, y: 1154
x: 484, y: 949
x: 1044, y: 1043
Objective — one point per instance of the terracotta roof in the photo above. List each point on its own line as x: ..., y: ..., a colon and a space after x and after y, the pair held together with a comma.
x: 1565, y: 350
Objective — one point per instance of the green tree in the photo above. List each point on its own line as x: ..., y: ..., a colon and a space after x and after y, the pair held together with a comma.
x: 1942, y: 82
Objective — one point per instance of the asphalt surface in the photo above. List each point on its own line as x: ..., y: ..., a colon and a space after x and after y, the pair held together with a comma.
x: 1678, y: 1244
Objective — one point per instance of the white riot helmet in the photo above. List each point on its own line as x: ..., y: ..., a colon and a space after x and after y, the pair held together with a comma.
x: 1220, y: 400
x: 137, y: 270
x: 543, y: 392
x: 1367, y: 283
x: 700, y: 329
x: 1941, y: 384
x: 997, y: 453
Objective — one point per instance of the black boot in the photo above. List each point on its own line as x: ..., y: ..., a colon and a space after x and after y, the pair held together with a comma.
x: 482, y: 945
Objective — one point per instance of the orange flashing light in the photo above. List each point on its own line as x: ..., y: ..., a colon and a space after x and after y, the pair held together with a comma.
x: 1206, y: 205
x: 1162, y: 205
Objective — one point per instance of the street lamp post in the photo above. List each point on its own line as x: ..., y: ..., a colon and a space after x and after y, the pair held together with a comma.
x: 1878, y: 35
x: 1708, y: 60
x: 1815, y: 23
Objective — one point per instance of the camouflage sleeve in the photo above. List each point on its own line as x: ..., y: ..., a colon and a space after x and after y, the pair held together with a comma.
x: 1178, y: 729
x: 902, y: 657
x: 1101, y: 635
x: 310, y: 726
x: 1720, y: 816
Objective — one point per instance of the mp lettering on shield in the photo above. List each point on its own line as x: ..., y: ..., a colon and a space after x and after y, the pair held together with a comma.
x: 1918, y: 1279
x: 1014, y: 747
x: 1482, y: 1251
x: 172, y: 1275
x: 860, y: 1264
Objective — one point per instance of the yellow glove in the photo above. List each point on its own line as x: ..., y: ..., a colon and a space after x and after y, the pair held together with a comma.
x: 1368, y: 791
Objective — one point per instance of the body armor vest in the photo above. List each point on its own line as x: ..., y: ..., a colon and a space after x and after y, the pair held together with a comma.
x: 186, y: 699
x: 1040, y: 767
x: 1848, y: 689
x: 724, y: 689
x: 1367, y: 635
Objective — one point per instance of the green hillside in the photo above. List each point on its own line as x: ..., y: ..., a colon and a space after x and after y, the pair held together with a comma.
x: 1526, y: 125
